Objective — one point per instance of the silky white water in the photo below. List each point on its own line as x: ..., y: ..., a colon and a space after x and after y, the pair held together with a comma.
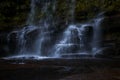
x: 37, y: 38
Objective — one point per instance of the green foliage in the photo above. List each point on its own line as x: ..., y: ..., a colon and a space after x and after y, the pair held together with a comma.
x: 92, y: 7
x: 13, y: 12
x: 16, y: 11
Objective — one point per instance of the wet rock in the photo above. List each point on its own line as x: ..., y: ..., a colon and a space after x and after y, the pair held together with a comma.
x: 107, y: 52
x: 111, y: 13
x: 111, y: 22
x: 4, y: 50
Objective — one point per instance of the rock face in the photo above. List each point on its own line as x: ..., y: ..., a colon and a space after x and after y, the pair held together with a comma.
x: 107, y: 52
x: 109, y: 49
x: 111, y: 35
x: 3, y: 45
x: 111, y: 23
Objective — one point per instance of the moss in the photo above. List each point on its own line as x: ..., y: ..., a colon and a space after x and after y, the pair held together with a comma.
x: 13, y: 12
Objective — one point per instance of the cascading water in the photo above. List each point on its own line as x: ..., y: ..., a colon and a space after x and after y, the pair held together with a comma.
x: 71, y: 40
x: 22, y: 38
x: 35, y: 40
x: 80, y: 39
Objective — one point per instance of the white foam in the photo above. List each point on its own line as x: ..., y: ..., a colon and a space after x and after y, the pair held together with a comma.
x: 37, y: 57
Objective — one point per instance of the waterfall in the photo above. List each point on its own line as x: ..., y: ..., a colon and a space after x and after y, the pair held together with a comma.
x: 31, y: 17
x: 72, y: 38
x: 37, y: 39
x: 80, y: 39
x: 97, y: 34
